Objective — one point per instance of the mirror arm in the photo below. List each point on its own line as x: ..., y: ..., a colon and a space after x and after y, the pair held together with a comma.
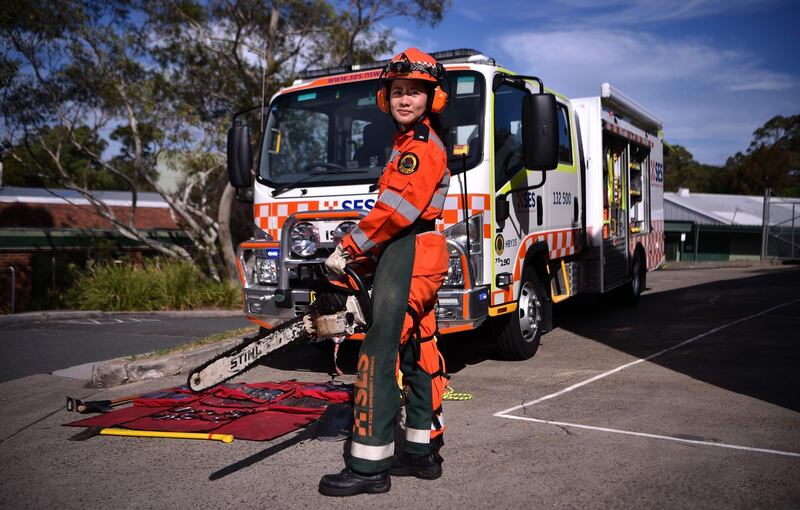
x: 502, y: 198
x: 528, y: 188
x: 516, y: 80
x: 242, y: 112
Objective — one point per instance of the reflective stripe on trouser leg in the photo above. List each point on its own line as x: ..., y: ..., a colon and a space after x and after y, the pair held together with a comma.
x: 376, y: 397
x: 419, y: 403
x: 418, y: 436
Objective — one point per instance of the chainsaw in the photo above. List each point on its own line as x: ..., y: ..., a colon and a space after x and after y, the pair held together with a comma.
x: 335, y: 314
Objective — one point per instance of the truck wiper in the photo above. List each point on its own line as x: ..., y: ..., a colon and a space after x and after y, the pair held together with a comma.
x: 328, y: 169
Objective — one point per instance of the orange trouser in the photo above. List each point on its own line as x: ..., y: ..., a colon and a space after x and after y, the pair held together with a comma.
x: 421, y: 363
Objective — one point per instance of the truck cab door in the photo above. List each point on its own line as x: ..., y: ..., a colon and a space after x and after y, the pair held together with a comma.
x: 526, y: 215
x: 563, y: 199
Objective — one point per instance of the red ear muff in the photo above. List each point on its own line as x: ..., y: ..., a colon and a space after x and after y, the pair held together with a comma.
x: 439, y: 100
x: 380, y: 98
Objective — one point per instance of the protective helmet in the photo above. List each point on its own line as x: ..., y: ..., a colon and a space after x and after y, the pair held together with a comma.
x: 413, y: 64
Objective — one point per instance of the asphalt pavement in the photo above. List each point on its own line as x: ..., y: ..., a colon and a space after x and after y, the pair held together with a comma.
x: 43, y: 344
x: 690, y: 400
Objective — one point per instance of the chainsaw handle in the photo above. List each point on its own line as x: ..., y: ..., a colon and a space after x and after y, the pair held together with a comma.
x: 363, y: 294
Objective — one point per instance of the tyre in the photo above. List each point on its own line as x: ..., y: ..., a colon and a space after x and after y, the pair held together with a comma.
x: 631, y: 292
x: 519, y: 332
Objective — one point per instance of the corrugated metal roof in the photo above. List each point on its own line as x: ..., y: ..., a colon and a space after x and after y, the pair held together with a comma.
x: 15, y: 194
x: 718, y: 209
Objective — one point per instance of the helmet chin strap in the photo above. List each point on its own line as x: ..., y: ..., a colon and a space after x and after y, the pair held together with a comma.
x: 400, y: 127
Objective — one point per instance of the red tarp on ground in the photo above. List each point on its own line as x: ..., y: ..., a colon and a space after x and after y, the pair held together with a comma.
x: 256, y: 412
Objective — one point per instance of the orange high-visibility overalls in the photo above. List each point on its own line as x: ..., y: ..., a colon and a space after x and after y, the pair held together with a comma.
x: 411, y: 269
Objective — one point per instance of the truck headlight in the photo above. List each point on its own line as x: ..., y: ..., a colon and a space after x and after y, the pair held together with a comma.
x: 342, y: 230
x: 304, y: 239
x: 458, y: 234
x: 266, y: 270
x: 455, y: 272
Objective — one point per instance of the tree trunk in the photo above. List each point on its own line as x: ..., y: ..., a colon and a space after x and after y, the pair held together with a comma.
x: 224, y: 221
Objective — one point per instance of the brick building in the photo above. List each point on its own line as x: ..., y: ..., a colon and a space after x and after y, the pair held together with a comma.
x: 42, y: 231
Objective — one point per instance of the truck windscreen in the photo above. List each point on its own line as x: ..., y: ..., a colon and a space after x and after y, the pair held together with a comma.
x: 336, y: 135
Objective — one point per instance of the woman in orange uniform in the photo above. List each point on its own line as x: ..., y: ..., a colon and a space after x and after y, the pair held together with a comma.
x: 411, y: 269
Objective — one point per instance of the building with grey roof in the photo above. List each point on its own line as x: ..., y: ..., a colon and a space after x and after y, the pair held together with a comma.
x: 710, y: 226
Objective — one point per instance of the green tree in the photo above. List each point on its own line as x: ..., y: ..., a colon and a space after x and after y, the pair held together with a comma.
x: 771, y: 161
x: 30, y: 163
x: 783, y: 134
x: 163, y: 78
x: 681, y: 170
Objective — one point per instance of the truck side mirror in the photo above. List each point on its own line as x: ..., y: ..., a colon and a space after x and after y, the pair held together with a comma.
x: 240, y: 157
x: 540, y: 132
x: 501, y: 210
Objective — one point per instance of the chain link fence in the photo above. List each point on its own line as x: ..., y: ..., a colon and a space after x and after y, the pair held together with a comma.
x: 781, y: 228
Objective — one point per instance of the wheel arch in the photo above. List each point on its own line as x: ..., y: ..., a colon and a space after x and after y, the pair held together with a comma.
x: 537, y: 257
x: 640, y: 251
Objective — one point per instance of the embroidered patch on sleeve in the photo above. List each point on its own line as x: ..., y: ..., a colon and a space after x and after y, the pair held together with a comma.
x: 408, y: 163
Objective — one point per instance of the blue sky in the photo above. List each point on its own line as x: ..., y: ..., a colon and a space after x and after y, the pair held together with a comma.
x: 712, y: 70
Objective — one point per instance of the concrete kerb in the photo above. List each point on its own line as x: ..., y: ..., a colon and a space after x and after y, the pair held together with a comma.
x: 124, y: 370
x: 21, y: 318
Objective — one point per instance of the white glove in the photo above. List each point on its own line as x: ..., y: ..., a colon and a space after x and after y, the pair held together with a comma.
x: 338, y: 259
x: 308, y: 324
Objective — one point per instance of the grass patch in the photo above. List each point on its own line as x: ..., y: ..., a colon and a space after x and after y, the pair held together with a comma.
x: 210, y: 339
x: 155, y: 285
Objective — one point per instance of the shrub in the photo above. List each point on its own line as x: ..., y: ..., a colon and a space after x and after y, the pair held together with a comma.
x: 157, y: 285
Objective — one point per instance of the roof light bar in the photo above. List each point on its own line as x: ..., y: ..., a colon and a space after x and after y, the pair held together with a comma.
x: 441, y: 56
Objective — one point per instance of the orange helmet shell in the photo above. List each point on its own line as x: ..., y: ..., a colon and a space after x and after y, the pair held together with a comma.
x: 418, y: 66
x: 413, y: 64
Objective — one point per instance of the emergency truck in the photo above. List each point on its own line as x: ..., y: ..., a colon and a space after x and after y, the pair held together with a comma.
x: 521, y: 236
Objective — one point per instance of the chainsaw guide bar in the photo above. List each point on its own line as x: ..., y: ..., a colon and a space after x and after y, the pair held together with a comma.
x: 244, y: 356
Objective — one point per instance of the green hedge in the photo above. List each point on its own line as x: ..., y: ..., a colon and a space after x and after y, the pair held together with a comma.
x: 157, y: 285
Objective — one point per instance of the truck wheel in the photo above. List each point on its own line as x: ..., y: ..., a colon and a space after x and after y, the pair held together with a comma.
x: 632, y: 291
x: 518, y: 338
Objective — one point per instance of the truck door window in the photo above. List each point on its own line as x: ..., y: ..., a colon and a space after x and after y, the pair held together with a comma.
x: 564, y: 139
x: 304, y: 139
x: 507, y: 133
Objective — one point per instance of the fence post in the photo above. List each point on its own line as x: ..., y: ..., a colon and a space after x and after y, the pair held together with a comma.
x: 13, y: 288
x: 765, y: 224
x: 793, y: 230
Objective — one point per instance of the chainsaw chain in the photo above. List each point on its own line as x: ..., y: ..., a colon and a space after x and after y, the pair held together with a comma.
x: 238, y: 349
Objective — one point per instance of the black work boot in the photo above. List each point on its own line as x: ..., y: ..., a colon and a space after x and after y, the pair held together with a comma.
x: 420, y: 466
x: 350, y: 483
x: 436, y: 447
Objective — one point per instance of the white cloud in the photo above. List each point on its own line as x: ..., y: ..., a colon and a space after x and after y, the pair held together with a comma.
x: 641, y: 11
x: 710, y: 99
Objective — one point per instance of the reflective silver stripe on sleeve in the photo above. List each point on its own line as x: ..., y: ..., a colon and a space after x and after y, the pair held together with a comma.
x: 435, y: 138
x: 418, y: 435
x: 395, y: 152
x: 440, y: 417
x: 363, y: 242
x: 439, y: 198
x: 366, y: 452
x: 437, y: 202
x: 399, y: 204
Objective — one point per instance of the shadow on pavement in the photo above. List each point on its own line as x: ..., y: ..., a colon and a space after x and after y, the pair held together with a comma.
x: 745, y: 358
x: 758, y: 358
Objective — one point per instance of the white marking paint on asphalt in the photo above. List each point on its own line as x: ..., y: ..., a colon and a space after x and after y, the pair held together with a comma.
x: 654, y: 436
x: 96, y: 322
x: 505, y: 413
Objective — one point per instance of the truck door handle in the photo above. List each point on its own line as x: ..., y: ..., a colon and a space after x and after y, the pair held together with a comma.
x: 539, y: 210
x: 575, y: 204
